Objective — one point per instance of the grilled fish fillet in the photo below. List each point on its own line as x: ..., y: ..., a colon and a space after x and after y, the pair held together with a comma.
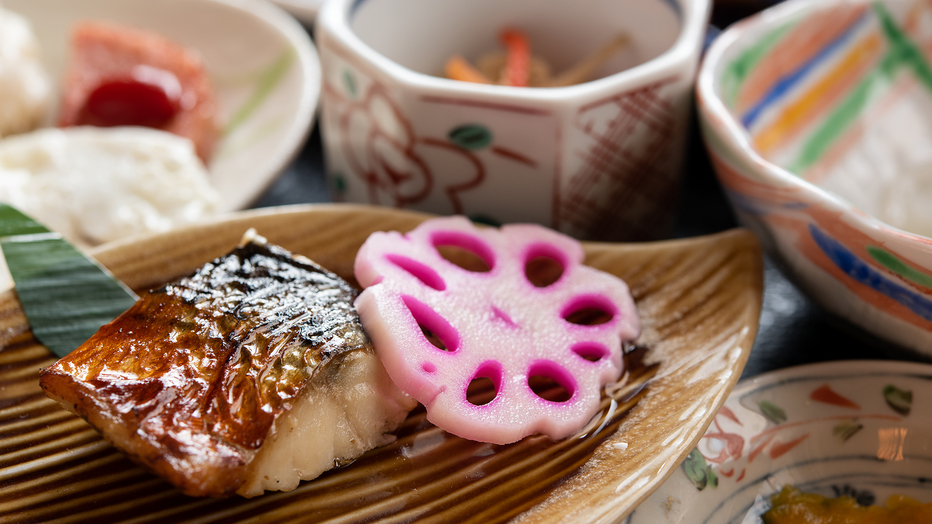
x: 251, y: 374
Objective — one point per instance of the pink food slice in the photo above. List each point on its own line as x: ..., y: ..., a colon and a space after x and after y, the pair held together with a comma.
x: 438, y: 327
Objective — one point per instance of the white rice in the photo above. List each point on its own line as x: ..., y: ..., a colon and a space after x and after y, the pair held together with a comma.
x: 95, y: 185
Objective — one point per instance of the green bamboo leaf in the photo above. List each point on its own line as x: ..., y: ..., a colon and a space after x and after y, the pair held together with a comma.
x: 900, y: 400
x: 66, y: 296
x: 772, y: 411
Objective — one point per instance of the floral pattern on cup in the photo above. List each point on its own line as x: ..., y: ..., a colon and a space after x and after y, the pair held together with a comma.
x: 598, y: 160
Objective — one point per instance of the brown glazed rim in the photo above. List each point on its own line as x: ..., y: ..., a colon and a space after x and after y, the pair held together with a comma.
x: 699, y: 301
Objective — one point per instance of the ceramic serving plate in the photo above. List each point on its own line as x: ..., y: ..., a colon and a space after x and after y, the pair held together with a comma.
x: 261, y: 61
x: 699, y: 300
x: 856, y: 428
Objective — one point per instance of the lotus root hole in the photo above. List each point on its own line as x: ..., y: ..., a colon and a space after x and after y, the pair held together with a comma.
x: 544, y: 265
x: 429, y: 367
x: 485, y: 384
x: 420, y: 271
x: 589, y: 310
x: 551, y: 382
x: 591, y: 351
x: 435, y: 328
x: 464, y: 250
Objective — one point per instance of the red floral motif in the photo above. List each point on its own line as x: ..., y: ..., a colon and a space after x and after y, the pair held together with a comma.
x: 732, y: 446
x: 386, y: 159
x: 733, y: 443
x: 827, y: 395
x: 392, y: 160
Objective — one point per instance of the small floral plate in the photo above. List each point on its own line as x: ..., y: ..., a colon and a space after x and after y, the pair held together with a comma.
x: 856, y: 428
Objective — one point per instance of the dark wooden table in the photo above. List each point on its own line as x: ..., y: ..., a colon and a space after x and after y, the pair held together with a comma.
x: 793, y: 330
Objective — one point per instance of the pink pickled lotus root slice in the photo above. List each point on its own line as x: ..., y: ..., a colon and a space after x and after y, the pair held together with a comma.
x: 495, y: 325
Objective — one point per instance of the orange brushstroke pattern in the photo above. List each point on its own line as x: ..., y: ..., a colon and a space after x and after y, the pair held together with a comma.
x: 775, y: 204
x: 819, y: 99
x: 794, y: 50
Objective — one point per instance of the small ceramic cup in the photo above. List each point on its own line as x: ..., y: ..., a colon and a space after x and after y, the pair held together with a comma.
x: 597, y: 160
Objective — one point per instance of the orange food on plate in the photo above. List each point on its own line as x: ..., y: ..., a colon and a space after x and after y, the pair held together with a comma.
x: 792, y: 506
x: 121, y: 75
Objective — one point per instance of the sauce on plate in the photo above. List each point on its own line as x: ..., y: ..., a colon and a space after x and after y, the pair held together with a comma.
x: 792, y: 506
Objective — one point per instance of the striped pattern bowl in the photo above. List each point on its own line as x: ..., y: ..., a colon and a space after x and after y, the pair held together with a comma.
x: 816, y: 116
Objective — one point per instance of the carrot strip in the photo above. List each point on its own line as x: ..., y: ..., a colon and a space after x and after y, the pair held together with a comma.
x: 457, y: 68
x: 518, y: 58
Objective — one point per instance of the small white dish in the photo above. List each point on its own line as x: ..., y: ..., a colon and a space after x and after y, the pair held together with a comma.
x: 598, y: 160
x: 856, y: 428
x: 261, y: 61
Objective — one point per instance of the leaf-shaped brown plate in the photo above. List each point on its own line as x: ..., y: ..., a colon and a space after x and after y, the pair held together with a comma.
x: 699, y: 301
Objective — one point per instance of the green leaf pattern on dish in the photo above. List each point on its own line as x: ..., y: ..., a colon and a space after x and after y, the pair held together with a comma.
x: 699, y: 471
x: 471, y: 137
x: 899, y: 400
x: 773, y: 412
x: 349, y: 83
x: 847, y: 429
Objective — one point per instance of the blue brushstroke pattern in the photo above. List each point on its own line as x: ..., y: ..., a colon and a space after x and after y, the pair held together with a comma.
x: 760, y: 207
x: 861, y: 272
x: 789, y: 80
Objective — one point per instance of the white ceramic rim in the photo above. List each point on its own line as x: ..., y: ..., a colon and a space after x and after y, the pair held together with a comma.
x: 299, y: 127
x: 736, y: 137
x: 303, y: 10
x: 829, y: 369
x: 334, y: 18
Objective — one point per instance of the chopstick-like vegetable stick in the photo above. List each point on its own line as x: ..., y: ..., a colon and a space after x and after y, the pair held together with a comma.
x: 583, y: 70
x: 457, y: 68
x: 518, y: 58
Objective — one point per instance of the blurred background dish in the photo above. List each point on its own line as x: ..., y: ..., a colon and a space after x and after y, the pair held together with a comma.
x: 261, y: 61
x: 856, y: 428
x: 601, y: 159
x: 816, y: 116
x: 303, y: 10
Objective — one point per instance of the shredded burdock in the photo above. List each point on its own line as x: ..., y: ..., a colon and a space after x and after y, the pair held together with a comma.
x: 517, y: 66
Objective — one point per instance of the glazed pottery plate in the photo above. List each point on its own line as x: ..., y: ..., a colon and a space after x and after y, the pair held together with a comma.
x: 699, y: 301
x: 856, y: 428
x: 267, y: 84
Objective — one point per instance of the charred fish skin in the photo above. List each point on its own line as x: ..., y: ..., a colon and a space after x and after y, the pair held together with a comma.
x: 191, y: 380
